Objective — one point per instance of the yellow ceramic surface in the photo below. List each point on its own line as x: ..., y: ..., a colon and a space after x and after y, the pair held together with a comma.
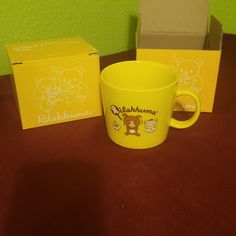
x: 138, y: 100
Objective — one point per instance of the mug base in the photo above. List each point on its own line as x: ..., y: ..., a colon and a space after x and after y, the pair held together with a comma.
x: 137, y: 147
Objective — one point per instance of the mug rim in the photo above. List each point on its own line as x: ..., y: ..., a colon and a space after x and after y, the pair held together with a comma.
x: 136, y: 62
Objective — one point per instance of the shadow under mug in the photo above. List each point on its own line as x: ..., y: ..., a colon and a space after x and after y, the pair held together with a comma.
x: 138, y: 99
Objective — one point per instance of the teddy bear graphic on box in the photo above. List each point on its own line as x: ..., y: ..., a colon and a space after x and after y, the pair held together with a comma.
x: 190, y: 72
x: 64, y: 86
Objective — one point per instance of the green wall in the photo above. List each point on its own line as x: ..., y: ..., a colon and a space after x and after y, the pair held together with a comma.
x: 109, y: 25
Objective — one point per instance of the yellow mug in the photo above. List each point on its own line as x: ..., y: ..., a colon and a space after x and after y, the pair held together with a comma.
x: 138, y: 100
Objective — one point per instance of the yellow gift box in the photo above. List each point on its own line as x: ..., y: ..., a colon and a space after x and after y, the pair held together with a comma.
x: 55, y: 80
x: 179, y: 34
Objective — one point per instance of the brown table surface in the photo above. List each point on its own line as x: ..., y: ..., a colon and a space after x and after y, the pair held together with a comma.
x: 70, y: 179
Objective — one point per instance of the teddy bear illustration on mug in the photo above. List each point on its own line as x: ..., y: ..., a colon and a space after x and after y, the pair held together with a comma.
x: 150, y: 125
x: 132, y: 124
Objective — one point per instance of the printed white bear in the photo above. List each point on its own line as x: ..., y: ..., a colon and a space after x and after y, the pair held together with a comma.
x: 72, y: 86
x: 190, y: 73
x: 48, y: 92
x: 63, y: 86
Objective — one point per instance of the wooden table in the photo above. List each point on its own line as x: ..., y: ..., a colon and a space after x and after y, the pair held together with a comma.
x: 70, y: 179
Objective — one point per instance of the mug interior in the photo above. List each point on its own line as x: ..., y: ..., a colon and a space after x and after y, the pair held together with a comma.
x: 138, y: 75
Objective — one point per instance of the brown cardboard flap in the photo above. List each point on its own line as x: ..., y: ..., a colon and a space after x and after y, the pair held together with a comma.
x: 215, y: 35
x: 170, y: 41
x: 182, y: 16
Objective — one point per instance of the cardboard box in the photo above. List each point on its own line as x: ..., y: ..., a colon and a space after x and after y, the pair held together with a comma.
x: 181, y: 35
x: 55, y: 80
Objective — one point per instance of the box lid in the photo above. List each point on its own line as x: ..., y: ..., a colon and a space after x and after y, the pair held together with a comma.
x: 24, y: 52
x: 181, y: 16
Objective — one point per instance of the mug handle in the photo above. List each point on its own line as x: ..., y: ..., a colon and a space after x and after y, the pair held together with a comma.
x: 187, y: 123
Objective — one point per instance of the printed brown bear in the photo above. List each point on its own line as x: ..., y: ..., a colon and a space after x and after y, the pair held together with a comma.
x: 132, y: 123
